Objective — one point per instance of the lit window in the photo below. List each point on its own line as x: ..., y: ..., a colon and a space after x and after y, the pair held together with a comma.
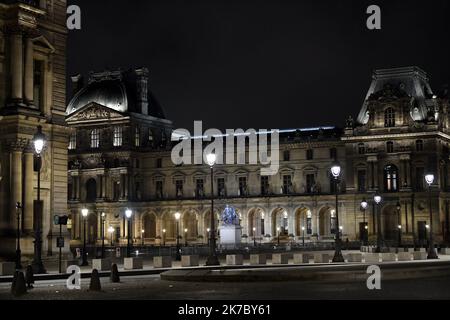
x: 391, y: 178
x: 73, y: 141
x: 137, y: 137
x: 309, y: 154
x: 95, y: 138
x: 150, y: 135
x: 389, y: 117
x: 117, y: 136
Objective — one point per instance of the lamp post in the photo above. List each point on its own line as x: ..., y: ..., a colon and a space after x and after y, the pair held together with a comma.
x: 111, y: 231
x: 303, y: 236
x: 84, y: 213
x: 128, y: 214
x: 399, y: 226
x: 254, y: 236
x: 208, y: 230
x: 364, y: 205
x: 429, y: 178
x: 103, y: 216
x: 37, y: 265
x: 185, y: 237
x: 164, y: 237
x: 278, y: 230
x: 377, y: 199
x: 212, y: 258
x: 336, y: 171
x: 142, y: 237
x: 18, y: 251
x: 178, y: 254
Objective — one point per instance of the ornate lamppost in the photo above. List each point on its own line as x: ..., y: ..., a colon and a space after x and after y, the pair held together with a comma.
x: 102, y: 217
x: 111, y: 231
x: 84, y: 213
x: 254, y: 236
x: 399, y: 226
x: 208, y: 230
x: 336, y: 171
x: 128, y: 214
x: 39, y: 143
x: 18, y: 251
x: 377, y: 198
x: 185, y: 237
x: 178, y: 254
x: 278, y: 231
x: 164, y: 237
x: 364, y: 205
x: 212, y: 258
x: 303, y: 236
x: 429, y: 178
x: 142, y: 237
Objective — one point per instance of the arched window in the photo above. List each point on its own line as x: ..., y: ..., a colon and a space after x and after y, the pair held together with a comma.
x: 389, y: 147
x: 389, y: 117
x: 91, y: 190
x: 391, y: 178
x: 419, y: 145
x: 95, y: 138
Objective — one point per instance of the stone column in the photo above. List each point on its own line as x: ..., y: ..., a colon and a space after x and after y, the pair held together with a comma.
x: 268, y: 224
x: 29, y: 70
x: 16, y: 182
x: 16, y: 67
x: 103, y: 182
x: 28, y: 191
x: 126, y: 186
x: 159, y: 227
x: 315, y: 221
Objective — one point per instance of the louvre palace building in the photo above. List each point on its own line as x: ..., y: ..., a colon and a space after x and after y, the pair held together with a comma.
x: 108, y: 149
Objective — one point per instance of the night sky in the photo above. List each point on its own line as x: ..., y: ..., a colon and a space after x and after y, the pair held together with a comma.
x: 260, y: 64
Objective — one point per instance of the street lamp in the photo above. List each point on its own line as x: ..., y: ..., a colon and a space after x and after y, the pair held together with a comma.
x: 208, y: 230
x: 103, y: 216
x: 429, y: 178
x: 178, y: 254
x: 399, y: 227
x: 84, y: 213
x: 18, y: 251
x: 254, y: 236
x: 278, y: 230
x: 185, y: 237
x: 212, y: 258
x: 111, y: 231
x: 336, y: 171
x: 364, y: 205
x: 377, y: 199
x: 303, y: 236
x: 39, y: 143
x: 128, y: 214
x: 164, y: 237
x: 142, y: 237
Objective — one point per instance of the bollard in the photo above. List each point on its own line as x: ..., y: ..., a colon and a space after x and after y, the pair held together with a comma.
x: 18, y: 286
x: 95, y: 281
x: 114, y: 277
x: 29, y: 277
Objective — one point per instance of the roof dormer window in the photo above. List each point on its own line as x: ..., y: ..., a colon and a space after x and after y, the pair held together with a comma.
x: 389, y: 117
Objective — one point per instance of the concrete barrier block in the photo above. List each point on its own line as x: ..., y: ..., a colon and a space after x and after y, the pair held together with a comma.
x: 162, y: 262
x: 404, y: 256
x: 258, y: 259
x: 411, y: 250
x: 445, y: 250
x: 321, y: 258
x: 280, y: 258
x: 372, y: 257
x: 387, y: 256
x: 7, y: 268
x: 101, y: 264
x: 300, y: 258
x: 419, y: 255
x: 133, y: 263
x: 189, y: 261
x: 235, y: 259
x: 354, y: 257
x: 422, y: 250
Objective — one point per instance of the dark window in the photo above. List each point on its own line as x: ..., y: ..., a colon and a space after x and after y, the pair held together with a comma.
x: 242, y: 186
x: 38, y: 89
x: 419, y: 145
x: 116, y: 190
x: 333, y: 153
x: 137, y: 137
x: 420, y: 179
x: 159, y: 189
x: 389, y: 117
x: 91, y: 190
x: 361, y: 148
x: 179, y: 188
x: 286, y: 155
x: 221, y: 187
x: 199, y: 191
x: 310, y: 183
x: 262, y: 226
x: 361, y: 180
x: 309, y: 154
x: 390, y: 178
x: 287, y: 184
x: 159, y: 163
x: 389, y: 147
x: 264, y: 185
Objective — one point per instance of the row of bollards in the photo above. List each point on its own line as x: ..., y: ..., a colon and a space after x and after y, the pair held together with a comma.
x: 22, y: 282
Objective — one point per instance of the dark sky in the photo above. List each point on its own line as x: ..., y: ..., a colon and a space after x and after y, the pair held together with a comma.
x: 260, y: 64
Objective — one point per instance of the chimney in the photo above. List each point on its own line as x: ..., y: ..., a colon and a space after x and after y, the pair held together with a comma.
x: 142, y: 89
x: 77, y: 83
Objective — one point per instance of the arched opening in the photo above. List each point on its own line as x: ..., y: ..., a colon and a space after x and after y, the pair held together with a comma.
x: 91, y: 190
x: 389, y: 222
x: 303, y: 222
x: 327, y: 222
x: 280, y: 220
x: 391, y: 178
x: 190, y: 223
x: 169, y: 224
x: 149, y: 226
x: 91, y: 228
x: 207, y: 222
x: 256, y: 221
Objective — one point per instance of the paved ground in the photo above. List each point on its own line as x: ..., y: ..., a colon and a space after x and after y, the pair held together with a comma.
x: 151, y: 287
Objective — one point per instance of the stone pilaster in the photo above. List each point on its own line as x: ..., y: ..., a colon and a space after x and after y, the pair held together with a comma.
x: 29, y: 71
x: 28, y: 190
x: 16, y: 67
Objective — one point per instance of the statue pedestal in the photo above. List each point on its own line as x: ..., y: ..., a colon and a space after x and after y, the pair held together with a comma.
x: 230, y: 236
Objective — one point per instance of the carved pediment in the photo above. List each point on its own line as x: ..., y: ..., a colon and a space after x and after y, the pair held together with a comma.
x: 94, y: 111
x: 389, y: 92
